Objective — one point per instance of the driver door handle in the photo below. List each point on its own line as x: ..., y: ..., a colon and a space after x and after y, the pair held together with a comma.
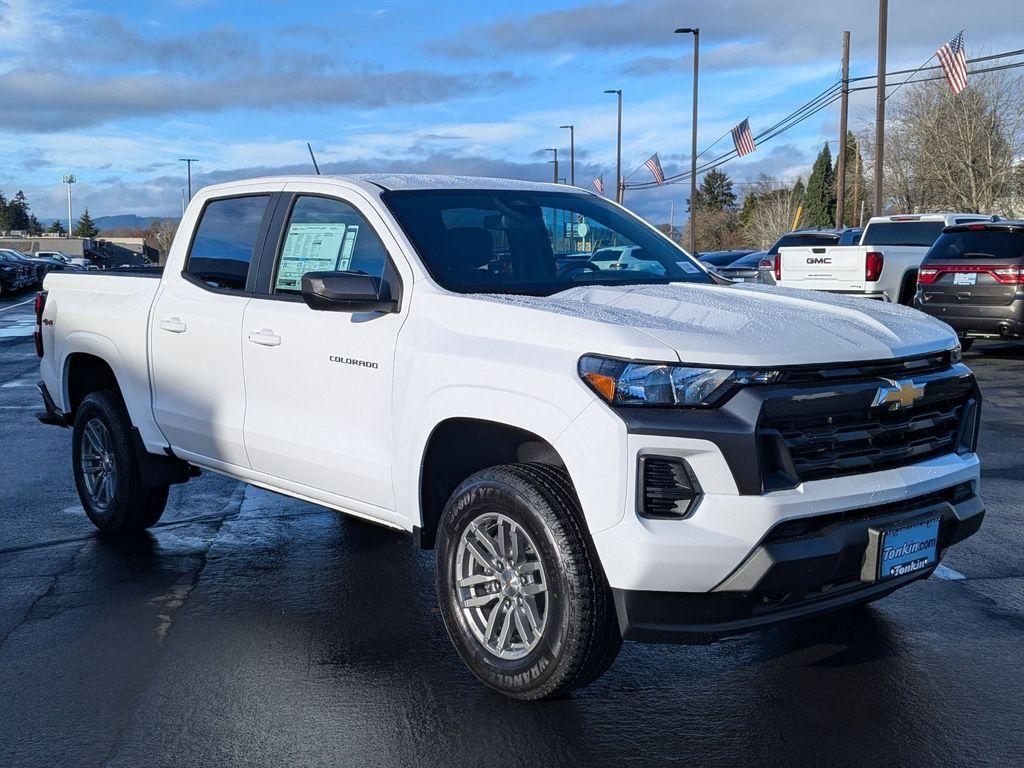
x: 265, y: 338
x: 173, y: 325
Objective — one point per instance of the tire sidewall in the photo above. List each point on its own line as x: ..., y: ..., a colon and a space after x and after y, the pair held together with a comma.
x: 510, y: 676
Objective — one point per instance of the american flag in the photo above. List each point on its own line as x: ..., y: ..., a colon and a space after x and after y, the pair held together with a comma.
x: 599, y: 185
x: 743, y: 139
x: 954, y: 63
x: 655, y: 165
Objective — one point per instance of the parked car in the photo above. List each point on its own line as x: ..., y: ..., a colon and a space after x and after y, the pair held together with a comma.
x: 973, y: 279
x: 597, y: 454
x: 14, y: 273
x: 723, y: 258
x: 882, y: 266
x: 75, y: 261
x: 37, y: 268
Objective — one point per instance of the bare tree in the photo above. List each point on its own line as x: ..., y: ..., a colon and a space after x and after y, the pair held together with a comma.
x: 947, y: 152
x: 768, y: 211
x: 161, y: 232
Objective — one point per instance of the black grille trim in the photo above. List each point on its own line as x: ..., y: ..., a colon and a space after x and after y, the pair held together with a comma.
x: 666, y: 488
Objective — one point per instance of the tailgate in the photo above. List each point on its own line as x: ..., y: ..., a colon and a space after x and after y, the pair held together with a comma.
x: 827, y: 268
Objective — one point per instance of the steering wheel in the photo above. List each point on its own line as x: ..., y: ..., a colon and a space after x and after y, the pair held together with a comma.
x: 573, y: 267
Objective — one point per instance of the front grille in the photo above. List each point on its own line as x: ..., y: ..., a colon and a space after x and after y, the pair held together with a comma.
x: 821, y: 444
x: 889, y: 369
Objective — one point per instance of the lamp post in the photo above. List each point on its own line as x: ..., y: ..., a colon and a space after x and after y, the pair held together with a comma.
x: 618, y: 149
x: 572, y: 153
x: 695, y: 31
x: 554, y: 177
x: 188, y: 162
x: 69, y: 179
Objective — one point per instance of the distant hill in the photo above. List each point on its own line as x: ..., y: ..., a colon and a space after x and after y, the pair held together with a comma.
x: 124, y: 221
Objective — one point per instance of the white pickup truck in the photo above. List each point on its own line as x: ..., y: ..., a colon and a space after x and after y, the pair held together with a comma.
x: 883, y: 266
x: 596, y: 454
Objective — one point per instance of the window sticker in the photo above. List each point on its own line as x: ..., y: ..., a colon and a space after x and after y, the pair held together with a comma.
x: 311, y: 248
x: 347, y: 246
x: 687, y: 267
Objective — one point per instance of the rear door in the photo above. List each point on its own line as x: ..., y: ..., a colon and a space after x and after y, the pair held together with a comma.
x: 196, y: 327
x: 832, y: 267
x: 976, y: 265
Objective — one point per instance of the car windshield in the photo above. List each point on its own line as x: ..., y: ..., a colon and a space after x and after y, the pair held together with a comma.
x: 919, y: 233
x: 534, y: 243
x: 1002, y: 245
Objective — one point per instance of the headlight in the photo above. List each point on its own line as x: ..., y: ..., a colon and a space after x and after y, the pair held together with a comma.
x: 621, y: 382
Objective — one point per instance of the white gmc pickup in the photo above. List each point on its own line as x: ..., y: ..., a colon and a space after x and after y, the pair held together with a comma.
x: 883, y: 266
x: 596, y: 453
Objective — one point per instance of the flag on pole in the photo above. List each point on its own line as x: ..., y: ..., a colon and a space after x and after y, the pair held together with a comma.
x: 599, y: 185
x: 954, y: 63
x: 654, y: 164
x: 743, y: 139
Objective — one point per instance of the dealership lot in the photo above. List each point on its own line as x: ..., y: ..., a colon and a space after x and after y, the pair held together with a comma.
x: 254, y: 629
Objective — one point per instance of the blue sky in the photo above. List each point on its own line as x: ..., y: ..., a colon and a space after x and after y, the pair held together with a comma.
x: 116, y: 92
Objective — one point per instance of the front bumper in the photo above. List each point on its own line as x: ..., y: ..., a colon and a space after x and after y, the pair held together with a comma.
x: 800, y: 568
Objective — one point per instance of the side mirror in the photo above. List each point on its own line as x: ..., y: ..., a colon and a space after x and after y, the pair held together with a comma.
x: 347, y: 292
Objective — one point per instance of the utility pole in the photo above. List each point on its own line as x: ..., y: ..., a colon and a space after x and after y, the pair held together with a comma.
x: 844, y: 106
x: 883, y: 24
x: 555, y: 161
x: 183, y: 203
x: 572, y: 153
x: 857, y: 202
x: 69, y: 179
x: 618, y: 151
x: 695, y: 31
x: 672, y: 219
x: 188, y: 161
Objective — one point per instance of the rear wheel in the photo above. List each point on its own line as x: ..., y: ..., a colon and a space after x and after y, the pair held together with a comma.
x: 523, y: 599
x: 106, y: 469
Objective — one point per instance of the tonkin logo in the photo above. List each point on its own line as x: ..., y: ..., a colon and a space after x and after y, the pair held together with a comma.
x: 898, y: 394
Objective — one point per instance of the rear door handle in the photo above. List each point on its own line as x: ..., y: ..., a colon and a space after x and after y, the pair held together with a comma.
x: 265, y: 338
x: 173, y: 325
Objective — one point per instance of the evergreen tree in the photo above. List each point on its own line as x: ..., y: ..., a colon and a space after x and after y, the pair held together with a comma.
x: 57, y: 227
x: 34, y: 227
x: 85, y: 226
x: 821, y: 192
x: 18, y: 212
x: 4, y: 221
x: 798, y: 202
x: 715, y: 192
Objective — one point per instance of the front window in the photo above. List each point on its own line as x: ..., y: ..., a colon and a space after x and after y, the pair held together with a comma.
x: 534, y: 243
x: 919, y: 233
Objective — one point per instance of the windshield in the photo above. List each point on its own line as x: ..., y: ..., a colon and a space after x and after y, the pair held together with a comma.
x: 1001, y: 245
x: 803, y: 241
x: 920, y: 233
x: 534, y: 243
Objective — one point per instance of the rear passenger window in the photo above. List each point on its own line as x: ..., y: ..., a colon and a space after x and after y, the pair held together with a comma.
x: 224, y: 242
x: 326, y: 235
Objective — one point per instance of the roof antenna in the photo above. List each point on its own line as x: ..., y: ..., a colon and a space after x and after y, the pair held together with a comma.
x: 313, y: 158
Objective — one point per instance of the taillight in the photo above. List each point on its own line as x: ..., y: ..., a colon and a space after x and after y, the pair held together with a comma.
x: 778, y: 266
x: 1008, y: 275
x: 38, y: 333
x: 873, y: 263
x: 927, y: 275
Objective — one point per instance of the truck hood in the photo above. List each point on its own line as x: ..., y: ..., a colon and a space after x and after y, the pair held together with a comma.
x: 753, y: 325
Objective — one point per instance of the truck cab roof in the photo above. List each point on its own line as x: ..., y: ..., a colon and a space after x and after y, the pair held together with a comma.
x: 393, y: 182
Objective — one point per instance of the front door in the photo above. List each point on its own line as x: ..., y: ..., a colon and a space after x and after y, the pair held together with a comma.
x: 319, y: 383
x: 198, y: 394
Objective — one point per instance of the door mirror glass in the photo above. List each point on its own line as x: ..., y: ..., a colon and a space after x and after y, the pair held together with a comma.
x: 347, y: 292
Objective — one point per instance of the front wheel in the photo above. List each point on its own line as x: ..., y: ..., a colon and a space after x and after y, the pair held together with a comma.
x: 524, y: 601
x: 107, y: 471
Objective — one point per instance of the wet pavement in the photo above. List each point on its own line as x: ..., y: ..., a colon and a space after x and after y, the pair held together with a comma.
x: 252, y: 629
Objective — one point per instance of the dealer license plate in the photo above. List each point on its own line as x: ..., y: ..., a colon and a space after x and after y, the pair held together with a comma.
x: 965, y: 278
x: 908, y: 549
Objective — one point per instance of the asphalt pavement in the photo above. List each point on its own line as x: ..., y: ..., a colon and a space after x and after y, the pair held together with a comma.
x: 251, y: 629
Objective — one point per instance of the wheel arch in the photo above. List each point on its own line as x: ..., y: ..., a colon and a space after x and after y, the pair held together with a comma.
x: 459, y: 446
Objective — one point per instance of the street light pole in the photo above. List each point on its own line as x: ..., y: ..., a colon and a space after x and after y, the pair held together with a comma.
x: 695, y: 31
x: 555, y: 161
x: 69, y: 179
x: 572, y: 153
x: 188, y: 162
x: 618, y: 149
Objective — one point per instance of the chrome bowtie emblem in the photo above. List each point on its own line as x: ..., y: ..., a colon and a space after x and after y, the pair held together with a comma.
x: 898, y: 394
